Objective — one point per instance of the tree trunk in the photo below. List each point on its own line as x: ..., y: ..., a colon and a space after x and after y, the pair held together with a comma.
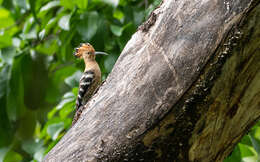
x: 185, y: 88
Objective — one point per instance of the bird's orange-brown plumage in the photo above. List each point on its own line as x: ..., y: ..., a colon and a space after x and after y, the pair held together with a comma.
x: 90, y: 79
x: 92, y: 75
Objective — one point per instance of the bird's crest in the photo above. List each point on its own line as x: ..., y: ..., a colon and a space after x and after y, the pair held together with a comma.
x: 84, y: 47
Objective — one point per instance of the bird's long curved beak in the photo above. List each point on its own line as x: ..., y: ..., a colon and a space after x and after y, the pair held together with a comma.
x: 100, y: 53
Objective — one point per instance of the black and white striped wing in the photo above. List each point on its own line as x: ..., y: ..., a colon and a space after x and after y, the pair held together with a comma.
x: 84, y: 84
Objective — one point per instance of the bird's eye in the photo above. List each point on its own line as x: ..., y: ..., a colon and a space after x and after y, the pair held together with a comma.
x: 89, y: 53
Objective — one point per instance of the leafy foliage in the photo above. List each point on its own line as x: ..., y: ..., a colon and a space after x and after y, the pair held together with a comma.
x: 39, y: 75
x: 248, y: 150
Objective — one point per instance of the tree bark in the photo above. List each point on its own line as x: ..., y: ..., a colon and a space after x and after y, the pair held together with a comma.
x: 185, y: 88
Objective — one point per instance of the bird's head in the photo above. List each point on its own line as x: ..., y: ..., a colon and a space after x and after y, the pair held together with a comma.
x: 87, y: 51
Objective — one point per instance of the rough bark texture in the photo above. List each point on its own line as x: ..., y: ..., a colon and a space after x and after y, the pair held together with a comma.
x: 185, y: 88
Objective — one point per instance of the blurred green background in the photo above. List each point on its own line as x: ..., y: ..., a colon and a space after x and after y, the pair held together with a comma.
x: 39, y: 75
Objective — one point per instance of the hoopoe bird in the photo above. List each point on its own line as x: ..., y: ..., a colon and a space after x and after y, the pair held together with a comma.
x: 91, y: 77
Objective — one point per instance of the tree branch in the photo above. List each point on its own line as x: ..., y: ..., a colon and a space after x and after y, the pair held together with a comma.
x: 179, y: 90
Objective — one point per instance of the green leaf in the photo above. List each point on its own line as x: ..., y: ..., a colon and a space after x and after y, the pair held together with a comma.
x: 15, y: 96
x: 82, y: 4
x: 64, y: 22
x: 32, y: 7
x: 67, y: 99
x: 67, y: 109
x: 75, y: 91
x: 73, y: 80
x: 151, y: 7
x: 50, y: 5
x: 21, y: 4
x: 12, y: 156
x: 5, y: 40
x: 250, y: 159
x: 37, y: 130
x: 256, y: 132
x: 255, y: 143
x: 3, y: 152
x: 63, y: 102
x: 31, y: 34
x: 246, y: 140
x: 42, y: 34
x: 54, y: 130
x: 88, y: 25
x: 49, y: 47
x: 46, y: 8
x: 118, y: 14
x: 117, y: 30
x: 51, y: 24
x: 6, y: 127
x: 16, y: 42
x: 4, y: 77
x: 235, y: 156
x: 52, y: 113
x: 114, y: 3
x: 129, y: 29
x: 57, y: 82
x: 51, y: 145
x: 138, y: 17
x: 28, y: 25
x: 6, y: 19
x: 7, y: 55
x: 67, y: 4
x: 65, y: 53
x: 67, y: 122
x: 245, y: 150
x: 31, y: 146
x: 110, y: 61
x: 68, y: 95
x: 39, y: 154
x: 44, y: 133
